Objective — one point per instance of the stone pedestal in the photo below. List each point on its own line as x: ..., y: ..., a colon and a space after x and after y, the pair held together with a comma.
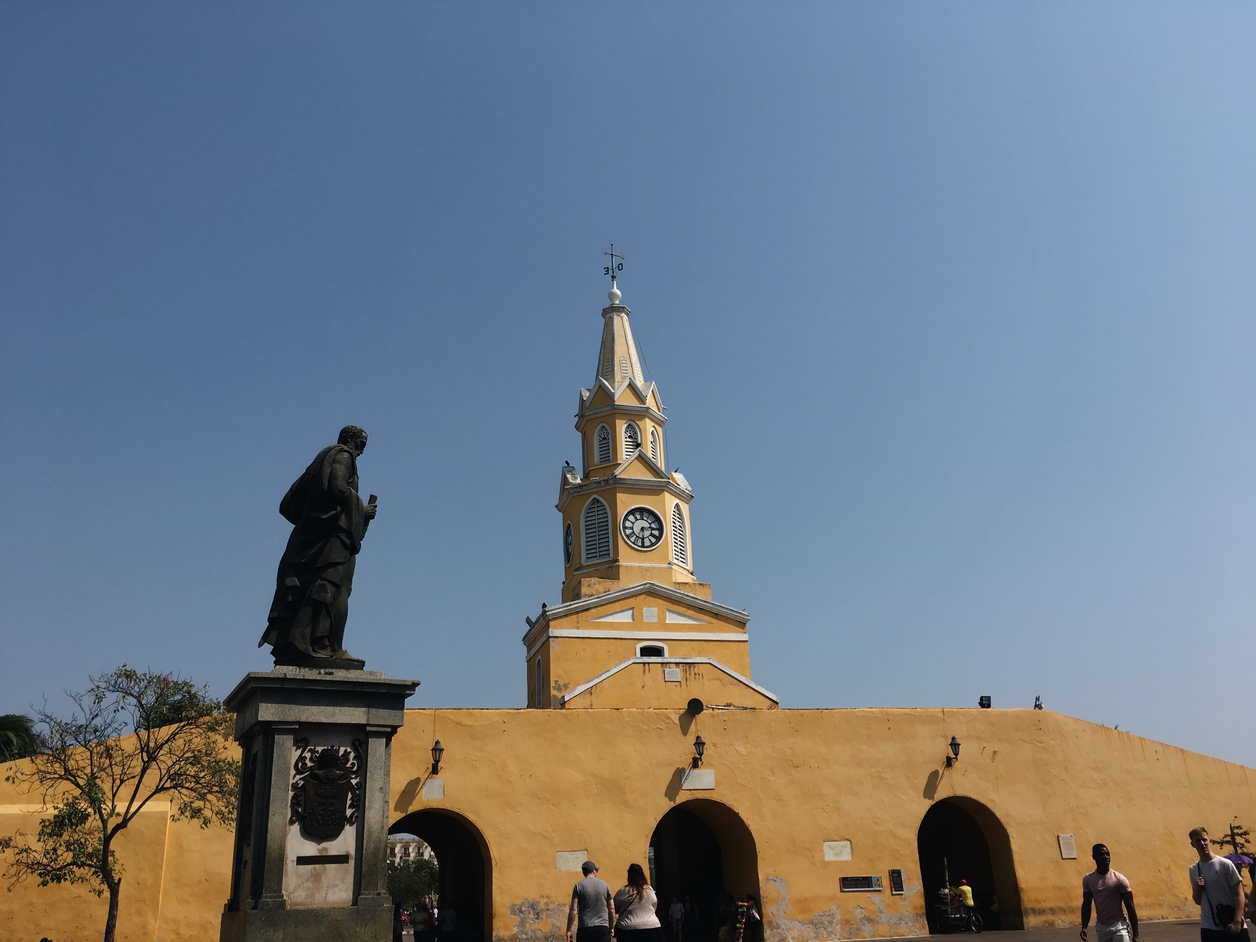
x: 311, y: 844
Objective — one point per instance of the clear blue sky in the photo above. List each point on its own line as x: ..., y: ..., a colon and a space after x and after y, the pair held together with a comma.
x: 951, y: 305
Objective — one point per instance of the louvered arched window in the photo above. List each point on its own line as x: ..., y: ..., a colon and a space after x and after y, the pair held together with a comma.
x: 602, y: 445
x: 632, y: 440
x: 680, y: 541
x: 595, y: 531
x: 655, y: 451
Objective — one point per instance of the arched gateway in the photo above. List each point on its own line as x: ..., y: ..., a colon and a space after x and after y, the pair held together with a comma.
x: 962, y: 839
x: 466, y: 868
x: 702, y: 851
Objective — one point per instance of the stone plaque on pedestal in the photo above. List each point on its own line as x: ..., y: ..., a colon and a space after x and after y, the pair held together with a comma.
x: 311, y: 848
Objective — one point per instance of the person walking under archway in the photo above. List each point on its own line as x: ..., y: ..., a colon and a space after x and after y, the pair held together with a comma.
x: 1108, y: 890
x: 676, y: 915
x: 637, y: 905
x: 592, y: 909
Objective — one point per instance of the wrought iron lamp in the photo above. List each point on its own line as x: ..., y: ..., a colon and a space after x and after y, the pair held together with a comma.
x: 699, y: 747
x: 954, y: 756
x: 438, y: 751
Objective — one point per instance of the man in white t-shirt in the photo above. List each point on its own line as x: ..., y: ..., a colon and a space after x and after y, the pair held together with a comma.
x: 1218, y: 889
x: 1108, y: 891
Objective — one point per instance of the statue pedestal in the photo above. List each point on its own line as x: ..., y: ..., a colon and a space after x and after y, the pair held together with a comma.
x: 311, y: 845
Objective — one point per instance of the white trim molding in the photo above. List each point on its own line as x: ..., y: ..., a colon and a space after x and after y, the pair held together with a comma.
x: 589, y: 684
x: 544, y: 636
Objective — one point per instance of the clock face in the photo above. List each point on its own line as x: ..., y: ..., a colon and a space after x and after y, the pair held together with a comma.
x: 642, y: 527
x: 569, y: 544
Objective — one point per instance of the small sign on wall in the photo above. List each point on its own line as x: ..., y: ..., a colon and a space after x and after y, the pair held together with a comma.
x: 1068, y: 846
x: 837, y: 850
x: 697, y: 779
x: 434, y: 788
x: 870, y: 884
x: 570, y: 861
x: 896, y: 882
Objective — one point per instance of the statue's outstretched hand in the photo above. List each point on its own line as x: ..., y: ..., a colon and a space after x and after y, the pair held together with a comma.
x: 370, y: 511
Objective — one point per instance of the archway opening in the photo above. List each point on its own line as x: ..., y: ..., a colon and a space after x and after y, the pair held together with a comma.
x: 702, y: 853
x: 962, y: 839
x: 465, y: 869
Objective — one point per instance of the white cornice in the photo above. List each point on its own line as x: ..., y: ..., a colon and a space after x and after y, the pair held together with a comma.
x: 628, y: 592
x: 601, y: 634
x: 571, y: 695
x: 583, y: 418
x: 593, y: 485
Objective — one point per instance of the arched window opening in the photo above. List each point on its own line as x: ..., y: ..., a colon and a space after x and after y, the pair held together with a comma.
x: 651, y: 650
x: 595, y: 531
x: 654, y: 445
x: 540, y: 698
x: 632, y: 440
x: 603, y: 446
x: 680, y: 544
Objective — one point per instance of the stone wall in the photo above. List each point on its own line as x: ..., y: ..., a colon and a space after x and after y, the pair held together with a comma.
x: 531, y: 784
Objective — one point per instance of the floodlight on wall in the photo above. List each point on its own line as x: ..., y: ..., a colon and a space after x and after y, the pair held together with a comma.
x: 438, y: 751
x: 954, y: 756
x: 699, y: 747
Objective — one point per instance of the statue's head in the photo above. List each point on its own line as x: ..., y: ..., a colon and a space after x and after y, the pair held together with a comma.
x: 354, y: 437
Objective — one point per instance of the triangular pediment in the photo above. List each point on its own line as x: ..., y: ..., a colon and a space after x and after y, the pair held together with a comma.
x: 602, y: 395
x: 629, y: 391
x: 641, y: 465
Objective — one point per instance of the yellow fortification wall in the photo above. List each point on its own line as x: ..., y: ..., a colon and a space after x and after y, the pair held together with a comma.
x: 532, y: 784
x: 791, y: 801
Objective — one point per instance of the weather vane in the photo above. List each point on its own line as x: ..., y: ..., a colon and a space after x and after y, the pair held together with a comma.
x: 616, y: 265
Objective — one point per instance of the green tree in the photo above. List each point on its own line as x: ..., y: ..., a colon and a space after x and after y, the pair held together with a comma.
x: 17, y: 736
x: 132, y: 737
x: 412, y: 881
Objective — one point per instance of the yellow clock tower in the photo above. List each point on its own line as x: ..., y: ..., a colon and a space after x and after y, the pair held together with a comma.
x: 635, y: 628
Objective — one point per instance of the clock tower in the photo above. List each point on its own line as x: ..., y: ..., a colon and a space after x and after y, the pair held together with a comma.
x: 635, y: 627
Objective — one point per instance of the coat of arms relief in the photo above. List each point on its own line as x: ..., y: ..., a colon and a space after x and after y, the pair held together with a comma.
x: 326, y: 783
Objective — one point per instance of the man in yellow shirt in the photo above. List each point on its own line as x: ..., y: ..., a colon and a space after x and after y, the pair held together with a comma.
x: 965, y: 894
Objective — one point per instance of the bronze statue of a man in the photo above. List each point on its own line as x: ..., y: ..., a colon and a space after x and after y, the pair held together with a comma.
x: 306, y: 626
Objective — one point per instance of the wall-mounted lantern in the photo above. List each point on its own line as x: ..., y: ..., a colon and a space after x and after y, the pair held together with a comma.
x: 699, y: 747
x: 438, y: 751
x: 954, y: 756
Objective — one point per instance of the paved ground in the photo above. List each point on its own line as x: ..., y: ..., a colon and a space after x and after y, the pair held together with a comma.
x: 1176, y: 931
x: 1179, y: 931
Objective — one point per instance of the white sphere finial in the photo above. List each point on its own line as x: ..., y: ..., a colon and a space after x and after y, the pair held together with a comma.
x: 614, y: 294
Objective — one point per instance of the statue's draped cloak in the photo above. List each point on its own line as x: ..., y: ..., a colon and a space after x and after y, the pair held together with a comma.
x: 329, y: 521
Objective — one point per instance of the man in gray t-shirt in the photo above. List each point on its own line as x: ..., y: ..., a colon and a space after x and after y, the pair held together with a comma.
x: 592, y: 907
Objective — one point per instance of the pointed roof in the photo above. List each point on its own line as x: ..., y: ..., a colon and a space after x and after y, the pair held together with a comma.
x: 617, y: 358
